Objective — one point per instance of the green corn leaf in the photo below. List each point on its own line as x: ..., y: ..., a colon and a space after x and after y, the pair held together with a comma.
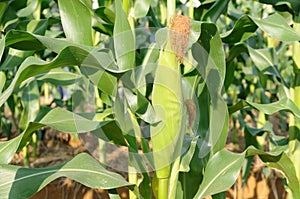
x: 242, y: 30
x: 76, y: 21
x: 2, y: 80
x: 141, y: 8
x: 29, y: 9
x: 8, y: 149
x: 18, y: 182
x: 58, y: 77
x: 2, y: 46
x: 220, y: 173
x: 285, y: 165
x: 124, y: 42
x: 103, y: 28
x: 216, y: 10
x: 223, y: 169
x: 274, y: 25
x: 106, y: 14
x: 167, y: 103
x: 15, y: 58
x: 111, y: 132
x: 33, y: 66
x: 209, y: 54
x: 31, y: 104
x: 194, y: 177
x: 187, y: 157
x: 23, y: 40
x: 66, y: 121
x: 283, y: 104
x: 264, y: 60
x: 3, y: 7
x: 279, y: 160
x: 293, y: 4
x: 38, y: 27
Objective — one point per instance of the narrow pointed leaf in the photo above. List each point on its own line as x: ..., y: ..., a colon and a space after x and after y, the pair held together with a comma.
x: 76, y: 21
x: 274, y: 25
x: 8, y: 149
x: 220, y: 173
x: 124, y: 42
x: 284, y: 104
x: 2, y: 80
x: 21, y: 183
x: 29, y: 9
x: 31, y: 104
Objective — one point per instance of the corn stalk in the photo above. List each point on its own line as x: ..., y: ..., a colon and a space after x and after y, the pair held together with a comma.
x: 168, y: 103
x: 294, y: 144
x: 166, y: 99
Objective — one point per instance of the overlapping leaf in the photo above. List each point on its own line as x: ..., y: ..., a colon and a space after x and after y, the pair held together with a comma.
x: 274, y: 25
x: 17, y: 182
x: 223, y: 168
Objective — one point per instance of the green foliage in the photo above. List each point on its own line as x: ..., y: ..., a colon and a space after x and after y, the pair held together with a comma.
x: 173, y: 117
x: 83, y: 168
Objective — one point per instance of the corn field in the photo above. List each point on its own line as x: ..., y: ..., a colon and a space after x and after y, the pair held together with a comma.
x: 193, y: 92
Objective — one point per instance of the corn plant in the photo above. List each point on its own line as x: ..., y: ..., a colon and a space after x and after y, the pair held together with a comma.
x: 166, y: 79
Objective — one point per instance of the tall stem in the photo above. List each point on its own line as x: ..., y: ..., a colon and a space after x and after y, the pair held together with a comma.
x: 132, y: 178
x: 294, y: 144
x: 34, y: 145
x: 167, y: 60
x: 163, y: 188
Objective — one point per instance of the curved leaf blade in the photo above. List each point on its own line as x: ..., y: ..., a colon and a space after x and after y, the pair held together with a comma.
x: 221, y: 172
x: 17, y: 182
x: 33, y: 66
x: 141, y: 8
x: 283, y: 104
x: 76, y: 21
x: 8, y: 149
x: 124, y: 42
x: 276, y: 26
x: 280, y: 161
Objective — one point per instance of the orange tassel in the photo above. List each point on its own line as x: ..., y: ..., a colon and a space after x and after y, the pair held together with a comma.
x: 179, y: 32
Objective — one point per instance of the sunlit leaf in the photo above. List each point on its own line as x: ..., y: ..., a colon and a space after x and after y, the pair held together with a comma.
x: 31, y: 104
x: 274, y: 25
x: 17, y: 182
x: 283, y: 104
x: 8, y: 149
x: 29, y: 9
x: 2, y: 80
x: 220, y: 173
x: 76, y: 21
x: 124, y: 42
x: 141, y: 8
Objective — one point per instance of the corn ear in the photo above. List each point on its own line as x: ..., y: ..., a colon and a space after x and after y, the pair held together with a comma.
x: 167, y: 103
